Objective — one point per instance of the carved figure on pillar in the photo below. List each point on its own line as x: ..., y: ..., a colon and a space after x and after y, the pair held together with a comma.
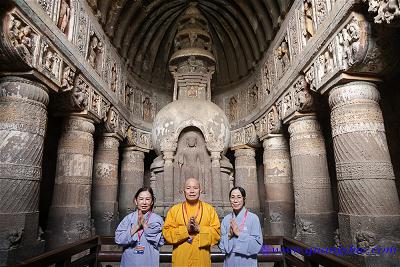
x: 308, y: 19
x: 147, y: 109
x: 64, y: 15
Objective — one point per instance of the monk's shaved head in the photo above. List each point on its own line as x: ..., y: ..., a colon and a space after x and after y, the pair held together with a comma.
x: 192, y: 181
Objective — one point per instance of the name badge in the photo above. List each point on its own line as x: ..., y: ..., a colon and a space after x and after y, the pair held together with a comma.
x: 139, y: 249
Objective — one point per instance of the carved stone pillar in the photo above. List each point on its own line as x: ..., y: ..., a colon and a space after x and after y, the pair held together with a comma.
x: 315, y: 218
x: 168, y: 178
x: 105, y: 185
x: 216, y: 182
x: 23, y: 119
x: 132, y: 178
x: 368, y: 200
x: 278, y: 186
x: 246, y: 176
x: 70, y: 216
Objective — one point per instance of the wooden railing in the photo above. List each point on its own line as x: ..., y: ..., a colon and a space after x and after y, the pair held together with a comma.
x: 92, y: 253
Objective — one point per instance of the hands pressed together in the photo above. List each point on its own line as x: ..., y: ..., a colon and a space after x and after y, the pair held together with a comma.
x: 140, y: 225
x: 234, y: 229
x: 192, y: 226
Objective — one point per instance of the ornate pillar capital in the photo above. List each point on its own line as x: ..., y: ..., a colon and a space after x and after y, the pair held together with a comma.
x: 245, y: 151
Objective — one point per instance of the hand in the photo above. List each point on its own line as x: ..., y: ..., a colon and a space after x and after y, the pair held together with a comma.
x: 196, y: 226
x: 234, y: 228
x: 134, y: 229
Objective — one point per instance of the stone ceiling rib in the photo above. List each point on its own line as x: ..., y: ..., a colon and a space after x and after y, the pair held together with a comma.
x: 143, y: 32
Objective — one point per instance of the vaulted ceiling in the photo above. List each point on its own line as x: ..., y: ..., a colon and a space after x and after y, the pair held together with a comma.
x: 143, y: 32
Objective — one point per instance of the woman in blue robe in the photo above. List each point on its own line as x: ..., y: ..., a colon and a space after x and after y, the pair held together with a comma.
x: 241, y: 236
x: 140, y: 232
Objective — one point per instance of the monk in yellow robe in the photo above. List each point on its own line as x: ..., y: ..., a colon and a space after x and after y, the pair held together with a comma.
x: 192, y: 227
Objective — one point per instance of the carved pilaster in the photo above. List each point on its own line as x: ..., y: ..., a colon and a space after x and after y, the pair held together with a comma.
x: 70, y: 213
x: 246, y: 176
x: 315, y: 218
x: 105, y: 185
x: 168, y: 178
x: 278, y: 186
x: 368, y: 199
x: 216, y: 181
x: 132, y: 178
x: 23, y: 120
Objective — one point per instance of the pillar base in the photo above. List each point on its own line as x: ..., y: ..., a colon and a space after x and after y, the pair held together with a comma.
x: 68, y: 224
x: 369, y: 231
x: 20, y: 237
x: 107, y: 214
x: 316, y: 229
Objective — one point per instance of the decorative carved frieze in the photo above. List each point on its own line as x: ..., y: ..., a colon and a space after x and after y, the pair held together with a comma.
x: 95, y: 53
x: 140, y: 138
x: 384, y: 11
x: 23, y: 37
x: 269, y: 123
x: 50, y: 61
x: 244, y: 136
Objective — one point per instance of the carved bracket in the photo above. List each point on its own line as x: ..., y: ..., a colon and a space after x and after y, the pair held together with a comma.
x: 139, y: 138
x: 245, y: 136
x: 269, y: 123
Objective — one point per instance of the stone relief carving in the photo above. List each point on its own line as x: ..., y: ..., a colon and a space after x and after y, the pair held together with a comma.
x: 244, y: 136
x: 114, y: 77
x: 348, y: 43
x: 307, y: 20
x: 253, y: 97
x: 321, y: 10
x: 274, y: 123
x: 283, y: 58
x: 294, y: 38
x: 23, y: 38
x: 96, y: 103
x: 139, y: 138
x: 64, y: 16
x: 310, y: 77
x: 364, y: 239
x: 326, y: 61
x: 129, y: 97
x: 82, y: 33
x: 111, y: 120
x: 80, y: 94
x: 15, y: 238
x: 304, y: 101
x: 384, y: 10
x: 95, y: 52
x: 191, y: 159
x: 148, y: 109
x: 232, y: 109
x: 67, y: 79
x: 47, y: 6
x: 49, y: 61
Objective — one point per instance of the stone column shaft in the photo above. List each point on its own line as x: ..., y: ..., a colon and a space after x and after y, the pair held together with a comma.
x: 132, y: 178
x: 315, y: 218
x: 105, y: 185
x: 246, y: 176
x: 23, y: 119
x: 168, y: 178
x: 70, y: 214
x: 216, y: 182
x: 368, y: 200
x: 278, y: 186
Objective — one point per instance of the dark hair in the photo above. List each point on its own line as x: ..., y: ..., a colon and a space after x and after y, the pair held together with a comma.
x: 148, y: 189
x: 242, y: 191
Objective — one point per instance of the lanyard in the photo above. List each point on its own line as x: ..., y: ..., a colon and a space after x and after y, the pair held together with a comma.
x: 243, y: 220
x: 184, y: 211
x: 141, y: 231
